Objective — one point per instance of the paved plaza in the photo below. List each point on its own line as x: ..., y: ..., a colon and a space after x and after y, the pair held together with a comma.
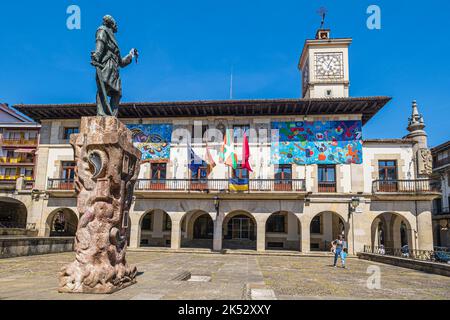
x: 232, y: 276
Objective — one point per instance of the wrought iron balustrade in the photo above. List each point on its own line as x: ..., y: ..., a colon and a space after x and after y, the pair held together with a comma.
x: 61, y: 184
x: 218, y: 185
x: 441, y: 162
x: 329, y: 186
x: 19, y: 142
x: 417, y: 185
x: 434, y: 255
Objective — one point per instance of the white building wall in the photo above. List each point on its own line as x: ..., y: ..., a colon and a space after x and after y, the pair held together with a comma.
x: 373, y: 152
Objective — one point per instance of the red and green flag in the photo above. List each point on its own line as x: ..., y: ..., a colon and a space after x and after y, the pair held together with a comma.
x: 227, y: 153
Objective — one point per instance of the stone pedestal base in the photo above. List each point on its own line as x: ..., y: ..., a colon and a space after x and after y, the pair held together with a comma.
x: 106, y: 172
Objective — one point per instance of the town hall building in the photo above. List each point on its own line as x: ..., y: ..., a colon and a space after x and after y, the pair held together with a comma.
x: 313, y: 175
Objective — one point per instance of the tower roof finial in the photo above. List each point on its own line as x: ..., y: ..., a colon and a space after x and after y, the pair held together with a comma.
x: 415, y: 122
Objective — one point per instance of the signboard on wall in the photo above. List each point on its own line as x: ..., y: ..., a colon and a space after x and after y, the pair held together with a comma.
x: 316, y: 142
x: 153, y: 140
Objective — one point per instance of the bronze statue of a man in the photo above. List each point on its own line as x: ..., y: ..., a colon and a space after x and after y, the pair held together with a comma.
x: 107, y: 60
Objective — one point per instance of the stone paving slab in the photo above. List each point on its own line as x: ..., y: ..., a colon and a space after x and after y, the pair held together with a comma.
x: 232, y: 277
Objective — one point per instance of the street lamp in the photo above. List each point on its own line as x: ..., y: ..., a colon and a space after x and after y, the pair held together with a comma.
x: 354, y: 203
x: 216, y: 203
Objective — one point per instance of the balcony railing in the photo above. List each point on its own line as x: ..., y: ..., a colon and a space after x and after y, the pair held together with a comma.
x: 7, y: 184
x: 11, y: 184
x: 61, y: 184
x: 9, y: 160
x: 441, y: 163
x: 395, y: 186
x: 19, y: 142
x: 439, y: 254
x: 327, y: 186
x: 28, y: 184
x: 217, y: 185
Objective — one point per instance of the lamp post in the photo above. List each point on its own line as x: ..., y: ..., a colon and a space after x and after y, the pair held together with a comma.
x: 217, y: 204
x: 354, y: 203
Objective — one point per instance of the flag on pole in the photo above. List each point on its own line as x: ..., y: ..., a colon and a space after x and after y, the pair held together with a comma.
x: 227, y: 152
x: 195, y: 162
x: 238, y: 184
x: 209, y: 160
x: 246, y: 153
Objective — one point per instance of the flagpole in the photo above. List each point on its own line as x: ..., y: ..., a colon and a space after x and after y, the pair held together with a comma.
x: 231, y: 84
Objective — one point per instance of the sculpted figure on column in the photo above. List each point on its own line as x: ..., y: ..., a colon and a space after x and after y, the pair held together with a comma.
x: 107, y: 61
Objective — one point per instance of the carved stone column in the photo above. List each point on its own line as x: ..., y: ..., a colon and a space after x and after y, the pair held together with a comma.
x: 107, y: 167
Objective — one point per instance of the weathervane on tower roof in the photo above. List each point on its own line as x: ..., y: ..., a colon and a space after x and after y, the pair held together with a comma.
x: 322, y: 12
x: 322, y: 34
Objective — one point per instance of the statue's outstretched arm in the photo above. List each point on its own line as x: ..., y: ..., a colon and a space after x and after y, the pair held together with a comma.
x: 126, y: 60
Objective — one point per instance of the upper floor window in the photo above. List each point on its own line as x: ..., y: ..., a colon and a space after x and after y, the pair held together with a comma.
x: 283, y: 177
x: 443, y: 155
x: 32, y: 135
x: 387, y: 173
x: 14, y: 135
x: 283, y: 172
x: 69, y: 131
x: 11, y: 173
x: 238, y: 132
x: 68, y: 170
x: 200, y: 173
x: 327, y: 178
x: 10, y: 154
x: 28, y: 173
x: 203, y: 132
x: 387, y: 170
x: 240, y: 172
x: 159, y: 171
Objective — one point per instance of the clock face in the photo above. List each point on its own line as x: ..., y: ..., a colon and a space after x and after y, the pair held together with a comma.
x: 329, y: 65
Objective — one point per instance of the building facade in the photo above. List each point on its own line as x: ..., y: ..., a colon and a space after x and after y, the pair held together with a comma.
x: 313, y: 175
x: 441, y: 212
x: 19, y: 138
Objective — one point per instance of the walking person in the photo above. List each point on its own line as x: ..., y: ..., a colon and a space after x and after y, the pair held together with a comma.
x: 344, y: 255
x: 338, y: 249
x: 344, y: 252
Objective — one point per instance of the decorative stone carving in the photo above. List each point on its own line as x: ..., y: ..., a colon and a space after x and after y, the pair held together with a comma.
x: 424, y: 161
x: 107, y: 167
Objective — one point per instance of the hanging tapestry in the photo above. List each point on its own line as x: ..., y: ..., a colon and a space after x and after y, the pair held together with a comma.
x: 316, y: 142
x: 153, y: 140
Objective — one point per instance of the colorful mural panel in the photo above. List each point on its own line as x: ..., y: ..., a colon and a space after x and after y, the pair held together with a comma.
x: 153, y: 140
x: 317, y: 142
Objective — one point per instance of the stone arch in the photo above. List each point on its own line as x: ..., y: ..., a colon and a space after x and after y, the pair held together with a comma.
x: 239, y: 230
x: 283, y: 231
x: 197, y: 229
x: 62, y: 222
x: 378, y: 231
x: 13, y: 213
x: 325, y: 227
x: 154, y: 230
x: 396, y: 230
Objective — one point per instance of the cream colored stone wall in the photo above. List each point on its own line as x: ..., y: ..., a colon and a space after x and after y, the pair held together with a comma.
x: 350, y: 180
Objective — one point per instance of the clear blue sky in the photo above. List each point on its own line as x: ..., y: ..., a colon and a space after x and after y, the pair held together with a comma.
x: 189, y: 47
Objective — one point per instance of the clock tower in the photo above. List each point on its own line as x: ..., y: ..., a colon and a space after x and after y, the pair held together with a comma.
x: 324, y: 66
